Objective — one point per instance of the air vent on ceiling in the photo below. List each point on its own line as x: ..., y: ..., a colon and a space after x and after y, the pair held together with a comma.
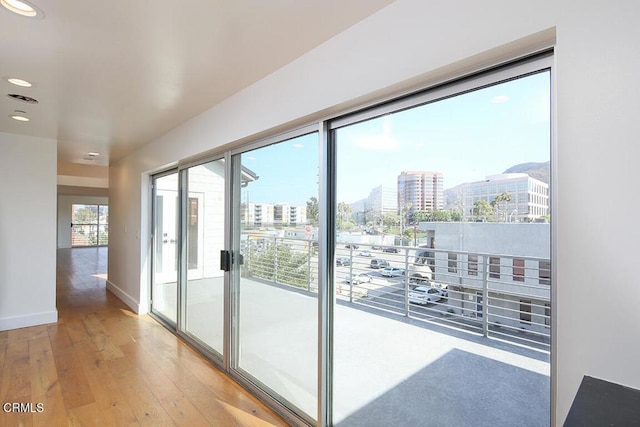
x: 22, y: 98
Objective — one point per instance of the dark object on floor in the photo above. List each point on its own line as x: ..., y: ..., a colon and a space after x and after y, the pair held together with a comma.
x: 601, y: 403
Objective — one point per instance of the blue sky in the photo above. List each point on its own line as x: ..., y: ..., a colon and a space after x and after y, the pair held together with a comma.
x: 466, y: 137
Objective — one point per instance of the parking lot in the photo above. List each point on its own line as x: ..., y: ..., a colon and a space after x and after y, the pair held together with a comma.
x: 389, y: 294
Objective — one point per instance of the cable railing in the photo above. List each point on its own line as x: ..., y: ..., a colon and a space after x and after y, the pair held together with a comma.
x: 89, y: 234
x: 501, y: 296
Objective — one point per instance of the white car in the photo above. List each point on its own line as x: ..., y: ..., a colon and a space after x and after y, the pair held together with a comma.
x: 365, y: 253
x: 359, y: 278
x: 425, y: 295
x: 392, y: 272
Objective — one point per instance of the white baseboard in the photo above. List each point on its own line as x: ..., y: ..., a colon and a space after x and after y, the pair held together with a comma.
x: 35, y: 319
x: 131, y: 302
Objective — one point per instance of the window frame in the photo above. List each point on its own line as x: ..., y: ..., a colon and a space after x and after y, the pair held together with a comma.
x: 533, y: 63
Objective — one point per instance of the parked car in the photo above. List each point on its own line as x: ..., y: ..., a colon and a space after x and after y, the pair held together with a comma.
x: 365, y: 253
x: 359, y: 278
x: 425, y: 294
x: 351, y: 246
x: 378, y: 263
x: 342, y: 261
x: 390, y: 249
x: 392, y: 272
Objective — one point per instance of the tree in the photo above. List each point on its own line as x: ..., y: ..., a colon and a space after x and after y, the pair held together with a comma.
x: 419, y: 216
x: 343, y: 219
x: 441, y: 216
x: 390, y: 220
x: 482, y: 210
x: 86, y: 215
x: 281, y: 264
x: 500, y: 205
x: 313, y: 210
x: 456, y: 215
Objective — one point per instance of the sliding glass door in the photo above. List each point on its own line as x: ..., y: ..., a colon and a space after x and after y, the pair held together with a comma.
x: 164, y: 276
x: 427, y: 300
x: 248, y: 225
x: 204, y: 227
x: 276, y: 335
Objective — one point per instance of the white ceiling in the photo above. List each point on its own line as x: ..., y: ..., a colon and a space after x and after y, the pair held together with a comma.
x: 112, y: 75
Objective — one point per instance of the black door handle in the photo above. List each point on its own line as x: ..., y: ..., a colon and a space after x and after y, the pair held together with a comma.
x: 225, y: 260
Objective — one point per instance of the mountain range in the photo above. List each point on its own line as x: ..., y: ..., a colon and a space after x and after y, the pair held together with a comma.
x: 539, y: 171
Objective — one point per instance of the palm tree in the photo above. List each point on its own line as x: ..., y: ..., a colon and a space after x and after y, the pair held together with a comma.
x: 500, y: 203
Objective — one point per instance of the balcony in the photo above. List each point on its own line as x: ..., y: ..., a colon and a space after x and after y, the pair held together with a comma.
x: 89, y: 235
x: 477, y: 355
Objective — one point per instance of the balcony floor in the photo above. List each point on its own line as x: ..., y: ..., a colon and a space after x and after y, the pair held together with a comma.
x: 389, y: 370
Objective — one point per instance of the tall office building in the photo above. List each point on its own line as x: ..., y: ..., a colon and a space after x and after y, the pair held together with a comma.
x: 420, y: 191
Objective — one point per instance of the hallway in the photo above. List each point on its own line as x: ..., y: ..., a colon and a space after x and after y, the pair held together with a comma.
x: 103, y: 365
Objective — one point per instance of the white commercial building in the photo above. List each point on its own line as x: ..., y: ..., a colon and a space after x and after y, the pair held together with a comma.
x: 529, y: 197
x: 382, y: 200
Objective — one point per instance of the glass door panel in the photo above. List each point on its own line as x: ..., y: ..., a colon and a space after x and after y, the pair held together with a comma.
x: 164, y: 295
x: 205, y: 227
x: 276, y: 334
x: 443, y: 183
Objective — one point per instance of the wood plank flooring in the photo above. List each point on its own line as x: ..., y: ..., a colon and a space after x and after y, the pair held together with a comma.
x: 103, y: 365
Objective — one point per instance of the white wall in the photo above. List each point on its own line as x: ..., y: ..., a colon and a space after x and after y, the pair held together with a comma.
x: 415, y: 42
x: 27, y: 231
x: 64, y: 214
x: 598, y: 61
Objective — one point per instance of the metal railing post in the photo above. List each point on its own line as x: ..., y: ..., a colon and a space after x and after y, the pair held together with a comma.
x: 406, y: 282
x: 485, y: 295
x: 351, y: 273
x: 275, y: 261
x: 309, y: 247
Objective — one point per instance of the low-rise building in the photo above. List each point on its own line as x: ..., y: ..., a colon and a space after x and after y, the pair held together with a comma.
x: 498, y: 270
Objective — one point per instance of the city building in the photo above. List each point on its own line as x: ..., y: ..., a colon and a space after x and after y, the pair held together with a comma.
x: 270, y: 214
x: 420, y: 191
x: 529, y: 197
x: 289, y: 215
x: 381, y: 200
x: 517, y: 256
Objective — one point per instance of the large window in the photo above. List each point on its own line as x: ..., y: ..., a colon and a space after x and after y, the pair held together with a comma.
x: 89, y: 225
x: 351, y: 272
x: 435, y: 150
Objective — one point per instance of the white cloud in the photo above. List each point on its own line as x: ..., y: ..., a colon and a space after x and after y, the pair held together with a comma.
x: 499, y: 99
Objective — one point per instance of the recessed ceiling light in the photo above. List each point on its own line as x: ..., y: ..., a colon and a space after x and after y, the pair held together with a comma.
x: 19, y: 116
x: 23, y: 8
x: 93, y: 154
x: 19, y: 82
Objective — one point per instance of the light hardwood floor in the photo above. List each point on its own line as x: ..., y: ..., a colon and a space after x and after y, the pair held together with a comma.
x: 103, y: 365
